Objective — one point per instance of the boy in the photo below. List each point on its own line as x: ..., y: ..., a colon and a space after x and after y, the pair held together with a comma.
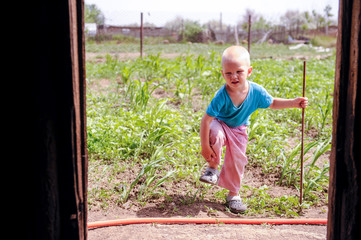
x: 226, y: 120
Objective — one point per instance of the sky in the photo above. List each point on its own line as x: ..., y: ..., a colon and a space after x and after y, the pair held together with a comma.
x: 123, y: 12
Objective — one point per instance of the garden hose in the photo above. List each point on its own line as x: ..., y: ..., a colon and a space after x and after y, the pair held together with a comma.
x: 108, y: 223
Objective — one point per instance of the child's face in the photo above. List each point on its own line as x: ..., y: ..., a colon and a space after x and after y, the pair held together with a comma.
x: 235, y: 72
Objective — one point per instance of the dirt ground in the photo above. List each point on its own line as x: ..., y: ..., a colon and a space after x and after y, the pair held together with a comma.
x: 202, y: 209
x: 199, y: 231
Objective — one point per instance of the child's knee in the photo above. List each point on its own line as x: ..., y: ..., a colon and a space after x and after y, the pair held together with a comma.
x: 216, y: 132
x: 216, y: 137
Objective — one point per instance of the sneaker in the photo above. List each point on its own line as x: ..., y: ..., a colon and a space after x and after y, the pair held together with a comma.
x: 235, y: 204
x: 210, y: 176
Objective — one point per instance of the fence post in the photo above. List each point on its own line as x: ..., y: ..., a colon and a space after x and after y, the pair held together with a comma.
x: 236, y: 34
x: 220, y: 22
x: 249, y: 33
x: 141, y: 34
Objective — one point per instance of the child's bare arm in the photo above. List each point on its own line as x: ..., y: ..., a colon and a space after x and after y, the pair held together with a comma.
x: 207, y: 151
x: 280, y: 103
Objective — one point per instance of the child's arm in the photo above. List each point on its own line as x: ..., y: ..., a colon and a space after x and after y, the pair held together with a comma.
x: 207, y: 151
x: 280, y: 103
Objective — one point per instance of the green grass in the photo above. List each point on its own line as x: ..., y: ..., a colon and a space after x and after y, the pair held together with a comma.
x: 324, y: 41
x: 257, y: 50
x: 143, y: 125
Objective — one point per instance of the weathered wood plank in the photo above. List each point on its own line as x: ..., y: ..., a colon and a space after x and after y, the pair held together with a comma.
x: 345, y: 167
x: 78, y: 125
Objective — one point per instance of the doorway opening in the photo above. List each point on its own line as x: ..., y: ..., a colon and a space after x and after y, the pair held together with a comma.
x: 144, y: 114
x: 55, y: 160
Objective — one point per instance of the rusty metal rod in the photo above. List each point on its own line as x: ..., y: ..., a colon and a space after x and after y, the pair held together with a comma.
x: 141, y: 34
x: 303, y: 129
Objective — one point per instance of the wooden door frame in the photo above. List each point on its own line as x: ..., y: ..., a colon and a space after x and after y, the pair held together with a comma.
x: 345, y: 163
x: 51, y: 139
x: 55, y: 161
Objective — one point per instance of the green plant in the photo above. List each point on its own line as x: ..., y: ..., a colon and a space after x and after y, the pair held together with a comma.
x: 316, y: 178
x: 260, y: 202
x: 192, y: 31
x: 313, y: 175
x: 147, y: 117
x: 139, y: 92
x: 324, y: 41
x: 325, y: 110
x: 149, y: 171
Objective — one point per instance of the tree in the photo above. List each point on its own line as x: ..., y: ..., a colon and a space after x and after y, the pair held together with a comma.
x: 215, y: 25
x: 308, y: 20
x: 258, y: 21
x: 262, y: 23
x: 318, y: 19
x: 192, y: 31
x: 188, y: 30
x: 328, y: 14
x: 92, y: 14
x: 245, y: 17
x: 293, y: 19
x: 250, y: 12
x: 327, y: 11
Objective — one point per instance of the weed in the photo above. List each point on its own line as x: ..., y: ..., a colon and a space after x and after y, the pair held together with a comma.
x: 210, y: 211
x: 260, y: 202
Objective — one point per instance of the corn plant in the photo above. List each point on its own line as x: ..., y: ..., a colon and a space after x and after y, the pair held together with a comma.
x: 325, y: 111
x: 148, y: 171
x: 314, y: 176
x: 126, y: 74
x: 139, y: 92
x: 291, y: 164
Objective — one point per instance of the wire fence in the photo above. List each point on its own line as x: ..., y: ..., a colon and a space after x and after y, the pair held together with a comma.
x: 205, y: 27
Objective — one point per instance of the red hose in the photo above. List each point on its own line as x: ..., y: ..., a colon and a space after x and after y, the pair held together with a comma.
x: 108, y: 223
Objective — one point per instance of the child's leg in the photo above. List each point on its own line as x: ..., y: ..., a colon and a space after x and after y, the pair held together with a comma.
x: 217, y: 140
x: 234, y: 163
x: 235, y: 159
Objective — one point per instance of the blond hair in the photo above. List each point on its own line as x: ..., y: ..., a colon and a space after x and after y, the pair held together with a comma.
x: 235, y: 53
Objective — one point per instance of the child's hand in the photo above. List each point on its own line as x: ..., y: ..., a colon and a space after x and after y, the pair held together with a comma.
x: 208, y: 153
x: 301, y: 102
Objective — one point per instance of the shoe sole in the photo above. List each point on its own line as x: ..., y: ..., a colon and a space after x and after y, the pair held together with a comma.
x: 205, y: 181
x: 235, y: 210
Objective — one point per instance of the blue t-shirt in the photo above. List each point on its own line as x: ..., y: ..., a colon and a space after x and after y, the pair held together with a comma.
x: 223, y: 108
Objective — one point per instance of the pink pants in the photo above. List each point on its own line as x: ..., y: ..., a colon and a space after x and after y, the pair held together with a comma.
x: 235, y: 139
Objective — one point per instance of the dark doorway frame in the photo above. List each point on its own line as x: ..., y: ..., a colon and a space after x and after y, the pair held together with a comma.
x: 53, y: 162
x: 53, y: 148
x: 344, y: 211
